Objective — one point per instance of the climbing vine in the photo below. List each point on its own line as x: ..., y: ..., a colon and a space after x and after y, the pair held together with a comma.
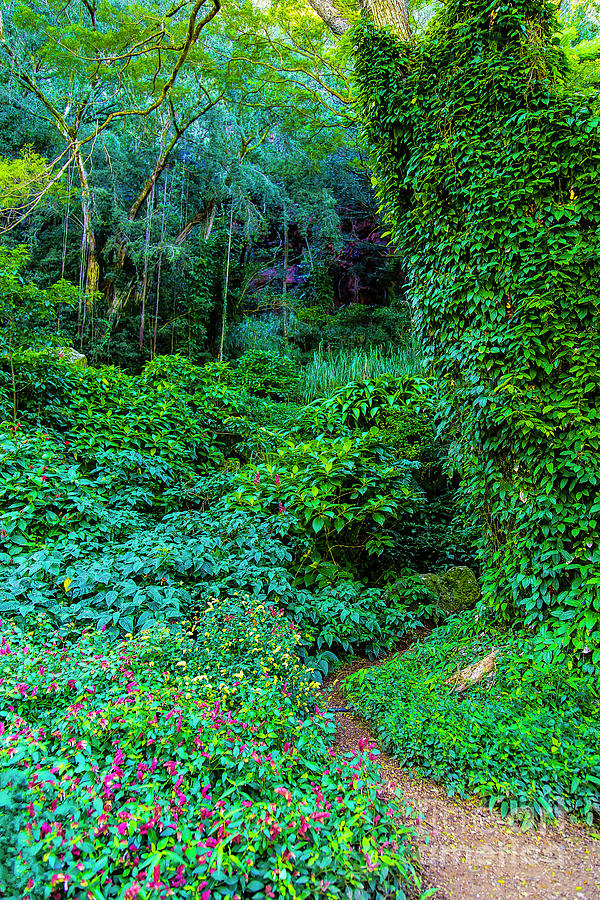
x: 487, y: 167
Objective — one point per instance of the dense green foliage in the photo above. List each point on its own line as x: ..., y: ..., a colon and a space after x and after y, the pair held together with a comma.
x: 171, y: 184
x: 488, y: 169
x: 157, y: 546
x: 527, y: 741
x: 152, y: 493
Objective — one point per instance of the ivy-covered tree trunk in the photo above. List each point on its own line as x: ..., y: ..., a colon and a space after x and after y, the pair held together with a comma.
x: 489, y: 174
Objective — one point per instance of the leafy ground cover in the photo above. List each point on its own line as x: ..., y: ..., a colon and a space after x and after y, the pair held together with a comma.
x: 130, y: 500
x: 527, y: 742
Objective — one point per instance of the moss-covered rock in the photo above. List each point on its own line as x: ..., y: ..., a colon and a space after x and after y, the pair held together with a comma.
x: 456, y: 589
x: 73, y: 357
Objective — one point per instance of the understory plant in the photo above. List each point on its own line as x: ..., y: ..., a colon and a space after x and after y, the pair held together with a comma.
x: 343, y: 492
x: 525, y: 740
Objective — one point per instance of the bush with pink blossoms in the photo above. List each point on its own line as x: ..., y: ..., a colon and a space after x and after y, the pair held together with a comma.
x: 125, y: 781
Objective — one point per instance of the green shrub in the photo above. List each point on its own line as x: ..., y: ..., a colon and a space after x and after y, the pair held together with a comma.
x: 408, y: 431
x: 358, y: 404
x: 527, y: 742
x: 151, y: 572
x: 344, y: 493
x: 268, y: 374
x: 347, y: 618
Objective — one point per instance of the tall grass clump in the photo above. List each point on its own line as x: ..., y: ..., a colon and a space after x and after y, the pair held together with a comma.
x: 329, y: 370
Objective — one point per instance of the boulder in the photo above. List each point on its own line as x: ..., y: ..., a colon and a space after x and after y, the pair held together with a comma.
x: 456, y: 589
x: 73, y: 357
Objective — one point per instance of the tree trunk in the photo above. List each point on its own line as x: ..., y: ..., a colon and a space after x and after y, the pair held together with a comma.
x: 159, y: 268
x: 149, y: 206
x: 225, y: 289
x: 333, y: 18
x: 204, y: 219
x: 90, y: 270
x: 285, y: 271
x: 392, y: 14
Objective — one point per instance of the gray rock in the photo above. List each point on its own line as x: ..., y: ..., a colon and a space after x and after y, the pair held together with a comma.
x: 73, y: 357
x: 456, y: 589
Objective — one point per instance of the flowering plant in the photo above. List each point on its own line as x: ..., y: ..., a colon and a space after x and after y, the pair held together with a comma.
x: 183, y: 764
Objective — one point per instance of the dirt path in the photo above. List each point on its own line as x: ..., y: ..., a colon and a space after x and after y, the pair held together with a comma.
x: 468, y: 852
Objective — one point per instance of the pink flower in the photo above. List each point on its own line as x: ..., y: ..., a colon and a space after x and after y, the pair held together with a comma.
x: 179, y: 880
x: 282, y: 508
x: 277, y: 481
x: 257, y: 478
x: 132, y: 892
x: 156, y: 884
x: 303, y: 827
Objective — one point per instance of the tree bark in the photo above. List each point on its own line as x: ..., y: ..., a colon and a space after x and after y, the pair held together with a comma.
x: 392, y: 14
x: 205, y: 219
x: 326, y: 10
x: 149, y: 210
x: 474, y: 673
